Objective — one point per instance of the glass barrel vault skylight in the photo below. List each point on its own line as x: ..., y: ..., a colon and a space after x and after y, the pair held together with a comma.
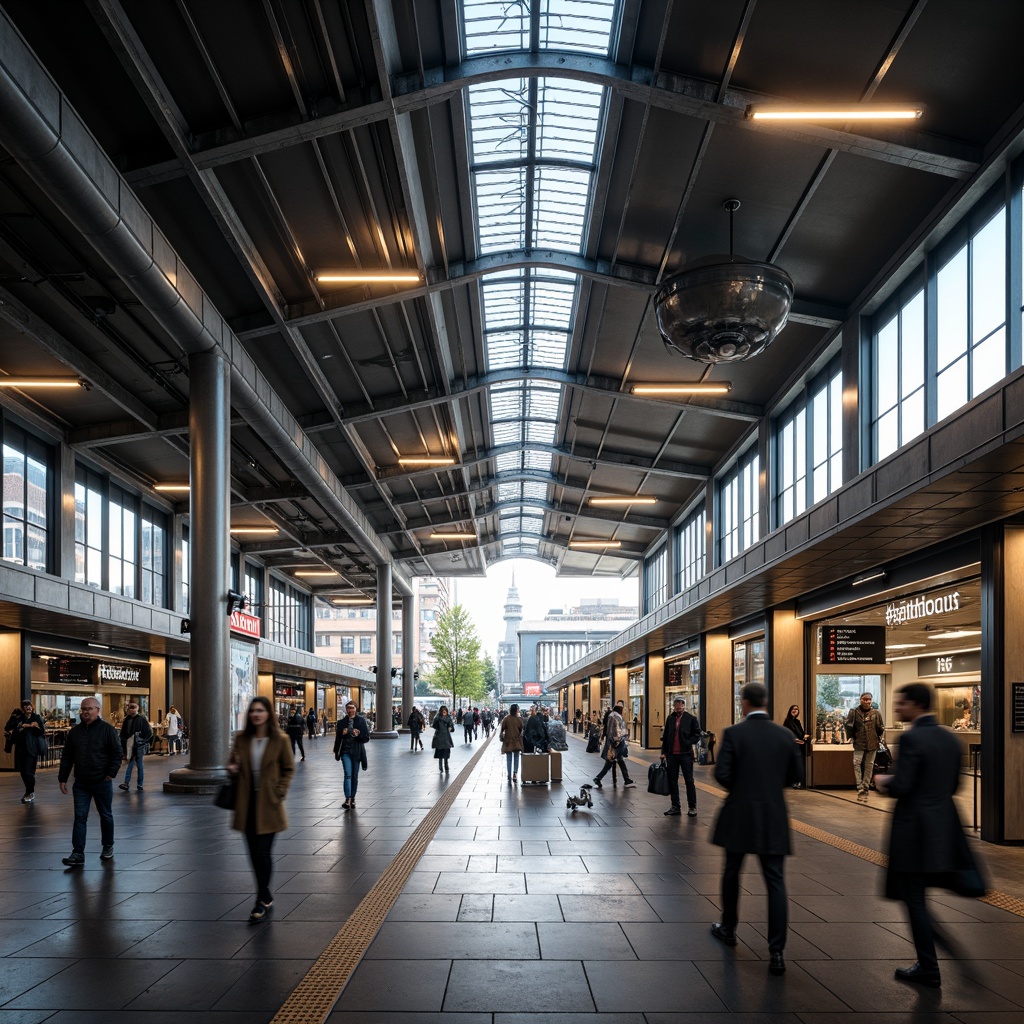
x: 532, y: 159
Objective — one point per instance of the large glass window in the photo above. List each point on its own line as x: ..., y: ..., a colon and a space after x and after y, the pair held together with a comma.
x: 121, y: 560
x: 899, y: 348
x: 289, y: 613
x: 154, y: 558
x: 89, y: 490
x: 348, y: 645
x: 738, y: 492
x: 655, y: 579
x: 365, y: 645
x: 809, y: 448
x: 26, y: 503
x: 747, y: 667
x: 691, y: 541
x: 186, y: 571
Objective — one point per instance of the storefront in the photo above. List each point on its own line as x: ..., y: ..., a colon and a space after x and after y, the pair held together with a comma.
x: 635, y: 710
x: 245, y: 638
x: 929, y: 631
x: 749, y: 651
x: 289, y: 696
x: 682, y: 682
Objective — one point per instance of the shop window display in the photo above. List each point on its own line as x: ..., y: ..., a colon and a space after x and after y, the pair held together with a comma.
x: 836, y: 695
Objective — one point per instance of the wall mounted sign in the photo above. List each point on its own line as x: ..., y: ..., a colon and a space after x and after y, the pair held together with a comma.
x: 1017, y: 707
x: 532, y: 689
x: 949, y: 664
x: 852, y: 645
x: 921, y: 608
x: 122, y: 674
x: 246, y: 624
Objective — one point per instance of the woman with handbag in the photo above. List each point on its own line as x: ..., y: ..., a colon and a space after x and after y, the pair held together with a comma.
x: 511, y: 736
x: 350, y: 749
x: 262, y: 763
x: 26, y: 732
x: 442, y: 742
x: 802, y: 737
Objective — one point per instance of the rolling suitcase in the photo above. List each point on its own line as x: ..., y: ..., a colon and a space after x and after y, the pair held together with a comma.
x: 536, y: 768
x: 556, y: 765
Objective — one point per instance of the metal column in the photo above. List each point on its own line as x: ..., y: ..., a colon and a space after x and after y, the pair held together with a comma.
x: 209, y: 427
x: 408, y: 657
x: 382, y: 727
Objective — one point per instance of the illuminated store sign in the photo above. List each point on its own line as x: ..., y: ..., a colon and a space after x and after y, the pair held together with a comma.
x: 921, y: 608
x: 246, y: 624
x: 119, y: 674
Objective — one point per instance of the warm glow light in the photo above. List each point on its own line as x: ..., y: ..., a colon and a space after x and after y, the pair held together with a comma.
x: 637, y: 499
x: 352, y: 600
x: 369, y: 277
x: 955, y: 634
x: 426, y: 460
x: 697, y: 388
x: 41, y: 382
x: 172, y: 488
x: 902, y: 647
x: 453, y: 536
x: 835, y: 112
x: 309, y: 573
x: 584, y: 544
x: 254, y: 529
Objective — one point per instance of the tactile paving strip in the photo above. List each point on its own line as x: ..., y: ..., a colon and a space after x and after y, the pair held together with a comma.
x: 315, y: 995
x: 993, y: 897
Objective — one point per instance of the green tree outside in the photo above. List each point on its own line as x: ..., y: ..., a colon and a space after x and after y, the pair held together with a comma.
x: 456, y: 648
x: 490, y: 674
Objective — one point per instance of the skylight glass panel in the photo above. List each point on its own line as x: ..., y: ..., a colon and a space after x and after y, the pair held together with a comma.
x: 560, y: 202
x: 507, y: 463
x: 543, y: 402
x: 509, y: 492
x: 536, y: 460
x: 538, y: 492
x: 490, y: 25
x: 504, y: 349
x: 548, y: 348
x: 552, y: 302
x: 503, y: 302
x: 506, y: 401
x: 508, y: 432
x: 567, y: 117
x: 500, y: 115
x: 541, y: 433
x: 501, y: 209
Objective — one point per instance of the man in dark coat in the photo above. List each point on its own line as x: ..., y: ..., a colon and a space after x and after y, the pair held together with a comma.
x: 927, y: 845
x: 295, y: 726
x: 757, y: 762
x: 27, y: 733
x: 682, y: 730
x: 93, y: 751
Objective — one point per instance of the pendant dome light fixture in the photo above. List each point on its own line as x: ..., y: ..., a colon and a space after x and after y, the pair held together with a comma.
x: 723, y: 309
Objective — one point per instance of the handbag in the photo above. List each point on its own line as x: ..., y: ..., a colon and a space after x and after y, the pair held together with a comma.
x: 226, y: 795
x: 657, y: 780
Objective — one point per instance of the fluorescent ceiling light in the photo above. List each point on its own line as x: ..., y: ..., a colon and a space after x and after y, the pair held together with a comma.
x: 584, y: 544
x: 867, y: 577
x: 369, y: 277
x: 426, y: 460
x: 682, y: 388
x: 902, y: 647
x: 352, y: 600
x: 455, y: 535
x: 172, y: 488
x: 835, y: 112
x: 637, y: 499
x: 102, y: 647
x: 954, y: 634
x: 308, y: 573
x: 41, y: 382
x: 254, y: 529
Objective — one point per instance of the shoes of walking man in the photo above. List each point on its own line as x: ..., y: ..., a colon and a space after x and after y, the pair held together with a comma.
x: 723, y: 934
x: 919, y: 976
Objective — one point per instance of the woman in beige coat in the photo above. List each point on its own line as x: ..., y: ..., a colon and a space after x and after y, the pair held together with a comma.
x: 263, y: 765
x: 512, y: 742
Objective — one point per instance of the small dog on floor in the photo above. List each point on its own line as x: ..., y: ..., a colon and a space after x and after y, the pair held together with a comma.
x: 583, y: 800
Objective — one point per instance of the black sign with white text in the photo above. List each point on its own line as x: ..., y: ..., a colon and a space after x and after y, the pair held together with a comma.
x: 852, y: 645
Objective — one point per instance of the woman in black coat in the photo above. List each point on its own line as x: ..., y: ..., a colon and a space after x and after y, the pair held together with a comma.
x: 802, y: 737
x: 26, y: 732
x: 442, y: 742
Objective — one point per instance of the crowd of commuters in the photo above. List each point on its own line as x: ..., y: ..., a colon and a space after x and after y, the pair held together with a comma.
x: 757, y: 762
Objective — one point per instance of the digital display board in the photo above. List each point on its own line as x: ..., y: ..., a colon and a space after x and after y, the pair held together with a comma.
x: 852, y: 645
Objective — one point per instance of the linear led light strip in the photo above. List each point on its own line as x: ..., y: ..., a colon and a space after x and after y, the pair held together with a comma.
x: 254, y: 529
x: 453, y: 535
x: 682, y: 388
x: 835, y: 112
x: 371, y: 277
x: 426, y: 460
x: 584, y: 544
x: 636, y: 499
x: 41, y: 382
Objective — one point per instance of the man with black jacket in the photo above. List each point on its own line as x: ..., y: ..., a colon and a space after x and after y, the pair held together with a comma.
x: 93, y: 750
x: 682, y: 730
x: 136, y: 732
x: 26, y: 732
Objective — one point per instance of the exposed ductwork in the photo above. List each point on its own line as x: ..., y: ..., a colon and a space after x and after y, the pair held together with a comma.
x: 41, y: 130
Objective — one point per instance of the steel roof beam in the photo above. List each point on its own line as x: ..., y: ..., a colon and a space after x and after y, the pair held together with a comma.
x: 681, y: 94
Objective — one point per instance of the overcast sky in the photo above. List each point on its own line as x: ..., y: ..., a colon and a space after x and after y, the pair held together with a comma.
x: 539, y: 591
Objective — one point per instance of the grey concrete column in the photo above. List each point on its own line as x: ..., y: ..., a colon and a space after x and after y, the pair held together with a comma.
x: 209, y: 426
x: 383, y: 702
x: 408, y: 657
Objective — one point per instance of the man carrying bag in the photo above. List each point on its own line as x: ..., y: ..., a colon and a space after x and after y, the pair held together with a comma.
x: 681, y: 732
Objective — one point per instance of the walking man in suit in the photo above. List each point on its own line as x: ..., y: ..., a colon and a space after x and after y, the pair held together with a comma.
x: 927, y: 844
x: 681, y: 731
x: 757, y: 762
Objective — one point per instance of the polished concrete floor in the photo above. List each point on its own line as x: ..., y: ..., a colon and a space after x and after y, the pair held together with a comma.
x: 518, y: 910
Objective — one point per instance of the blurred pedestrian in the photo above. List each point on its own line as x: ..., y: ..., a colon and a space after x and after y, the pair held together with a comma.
x: 442, y: 741
x: 801, y: 735
x: 511, y: 735
x: 26, y: 731
x: 263, y: 765
x: 296, y: 728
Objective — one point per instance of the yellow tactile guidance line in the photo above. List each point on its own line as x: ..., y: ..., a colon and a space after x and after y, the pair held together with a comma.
x: 315, y: 995
x: 994, y: 898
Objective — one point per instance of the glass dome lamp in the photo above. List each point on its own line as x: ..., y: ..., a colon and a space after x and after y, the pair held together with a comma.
x: 723, y: 308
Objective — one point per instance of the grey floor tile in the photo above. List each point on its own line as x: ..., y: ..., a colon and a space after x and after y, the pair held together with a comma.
x: 651, y: 986
x: 395, y: 985
x: 590, y: 907
x: 527, y: 908
x: 426, y: 907
x: 193, y: 985
x: 76, y: 988
x: 99, y: 938
x: 588, y: 941
x: 423, y: 940
x: 22, y: 975
x: 478, y: 882
x: 267, y: 983
x: 534, y: 987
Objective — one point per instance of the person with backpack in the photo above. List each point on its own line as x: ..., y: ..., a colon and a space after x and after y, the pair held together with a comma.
x: 136, y: 735
x: 416, y: 726
x: 682, y: 730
